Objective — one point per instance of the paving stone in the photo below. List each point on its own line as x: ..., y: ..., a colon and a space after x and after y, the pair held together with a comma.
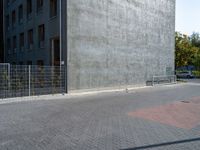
x: 98, y: 122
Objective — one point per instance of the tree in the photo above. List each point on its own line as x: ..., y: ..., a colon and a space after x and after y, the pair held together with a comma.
x: 185, y: 51
x: 195, y: 39
x: 196, y: 61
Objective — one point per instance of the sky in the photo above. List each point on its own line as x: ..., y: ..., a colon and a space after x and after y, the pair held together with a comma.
x: 188, y: 16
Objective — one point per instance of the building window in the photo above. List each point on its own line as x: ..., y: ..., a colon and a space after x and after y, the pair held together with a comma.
x: 30, y: 39
x: 39, y: 5
x: 21, y: 42
x: 53, y: 8
x: 55, y: 51
x: 8, y: 2
x: 41, y: 35
x: 20, y: 13
x: 29, y: 8
x: 21, y: 63
x: 7, y: 22
x: 8, y: 46
x: 14, y: 63
x: 40, y: 63
x: 13, y: 18
x: 29, y: 62
x: 14, y: 44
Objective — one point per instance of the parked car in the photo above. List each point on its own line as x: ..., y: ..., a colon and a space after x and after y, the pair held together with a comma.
x: 185, y: 74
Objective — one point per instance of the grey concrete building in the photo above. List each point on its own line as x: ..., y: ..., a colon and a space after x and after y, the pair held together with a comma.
x: 104, y: 43
x: 114, y: 43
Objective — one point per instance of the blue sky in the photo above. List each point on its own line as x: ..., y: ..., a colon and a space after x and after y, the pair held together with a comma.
x: 188, y: 16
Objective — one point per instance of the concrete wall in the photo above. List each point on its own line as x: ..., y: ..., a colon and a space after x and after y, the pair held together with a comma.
x: 112, y: 43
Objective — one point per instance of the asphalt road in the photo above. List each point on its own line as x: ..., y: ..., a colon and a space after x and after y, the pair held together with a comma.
x: 192, y: 80
x: 159, y: 118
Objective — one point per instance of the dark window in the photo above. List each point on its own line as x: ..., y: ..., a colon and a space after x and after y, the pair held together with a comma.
x: 41, y: 35
x: 39, y: 5
x: 29, y: 62
x: 13, y: 18
x: 8, y: 2
x: 53, y: 8
x: 21, y: 63
x: 14, y: 44
x: 7, y: 22
x: 40, y: 63
x: 9, y: 46
x: 21, y: 41
x: 55, y: 51
x: 30, y: 39
x: 29, y: 8
x: 20, y: 13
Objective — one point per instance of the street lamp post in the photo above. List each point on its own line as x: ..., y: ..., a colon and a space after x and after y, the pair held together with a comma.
x: 60, y: 14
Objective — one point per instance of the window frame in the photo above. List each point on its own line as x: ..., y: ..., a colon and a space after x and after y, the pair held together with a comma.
x: 14, y: 43
x: 53, y: 10
x: 40, y: 5
x: 20, y: 13
x: 41, y: 35
x: 29, y: 8
x: 30, y: 39
x: 21, y: 41
x: 14, y: 19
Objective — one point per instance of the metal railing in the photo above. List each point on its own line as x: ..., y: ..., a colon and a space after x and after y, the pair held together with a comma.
x: 20, y: 81
x: 158, y: 80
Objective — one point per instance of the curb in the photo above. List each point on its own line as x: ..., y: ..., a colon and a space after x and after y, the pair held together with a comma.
x: 78, y: 94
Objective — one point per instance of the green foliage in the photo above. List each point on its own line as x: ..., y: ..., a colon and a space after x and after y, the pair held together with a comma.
x: 187, y: 50
x: 195, y: 39
x: 196, y: 73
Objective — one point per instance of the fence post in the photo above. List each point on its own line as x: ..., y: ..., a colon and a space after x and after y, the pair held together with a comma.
x: 9, y: 79
x: 60, y: 79
x: 175, y: 79
x: 153, y: 81
x: 29, y: 79
x: 65, y: 78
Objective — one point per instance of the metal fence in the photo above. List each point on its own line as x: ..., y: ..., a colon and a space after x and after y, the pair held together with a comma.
x: 20, y: 81
x: 157, y: 80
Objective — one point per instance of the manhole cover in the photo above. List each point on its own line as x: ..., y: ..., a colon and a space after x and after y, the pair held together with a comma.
x: 185, y: 101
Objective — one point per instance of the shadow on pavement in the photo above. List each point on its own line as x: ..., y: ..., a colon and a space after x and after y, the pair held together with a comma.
x: 164, y: 144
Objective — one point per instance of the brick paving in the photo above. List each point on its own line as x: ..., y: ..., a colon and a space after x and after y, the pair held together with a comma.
x: 183, y: 114
x: 105, y: 122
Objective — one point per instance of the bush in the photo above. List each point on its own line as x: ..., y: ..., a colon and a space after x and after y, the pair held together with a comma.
x: 196, y: 73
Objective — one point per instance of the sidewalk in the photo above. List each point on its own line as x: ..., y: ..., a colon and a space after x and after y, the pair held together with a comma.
x: 161, y: 118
